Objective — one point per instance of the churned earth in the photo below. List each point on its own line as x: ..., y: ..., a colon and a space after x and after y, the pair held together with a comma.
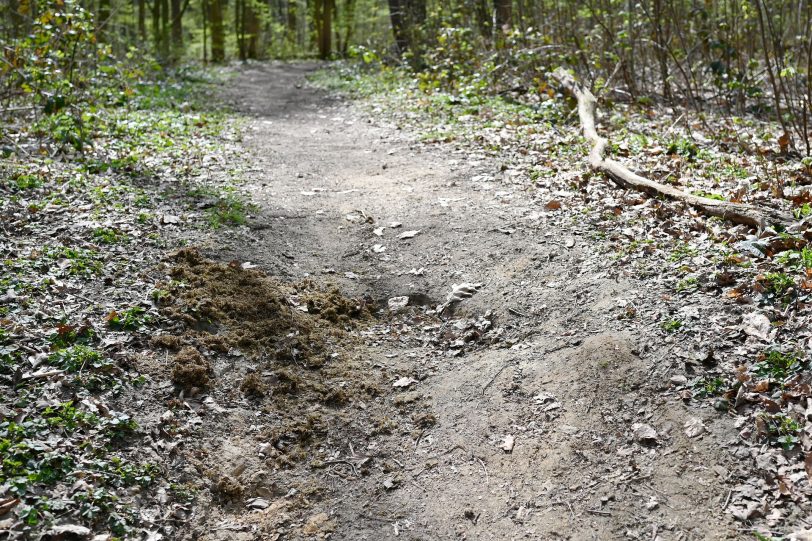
x: 535, y: 409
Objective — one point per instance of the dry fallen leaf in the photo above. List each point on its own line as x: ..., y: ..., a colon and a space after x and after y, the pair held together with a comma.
x: 404, y: 382
x: 756, y: 324
x: 694, y: 427
x: 408, y: 234
x: 397, y: 303
x: 553, y: 205
x: 783, y: 143
x: 808, y: 466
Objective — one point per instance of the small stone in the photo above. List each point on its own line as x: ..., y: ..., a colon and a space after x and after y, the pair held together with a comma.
x: 397, y: 303
x: 679, y: 380
x: 257, y: 503
x: 644, y: 434
x: 721, y: 404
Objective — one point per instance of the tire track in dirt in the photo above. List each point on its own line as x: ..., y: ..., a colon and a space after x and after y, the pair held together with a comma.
x: 542, y: 360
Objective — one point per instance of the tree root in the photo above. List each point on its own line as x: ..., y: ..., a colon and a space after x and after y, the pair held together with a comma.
x: 623, y: 177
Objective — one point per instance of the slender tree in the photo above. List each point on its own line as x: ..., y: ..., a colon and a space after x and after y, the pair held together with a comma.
x: 218, y: 39
x: 176, y: 14
x: 142, y: 20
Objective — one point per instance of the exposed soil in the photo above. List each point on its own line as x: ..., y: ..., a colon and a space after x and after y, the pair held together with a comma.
x: 530, y: 411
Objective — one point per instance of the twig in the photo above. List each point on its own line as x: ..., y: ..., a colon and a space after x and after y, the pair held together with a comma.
x: 419, y: 437
x: 727, y: 500
x: 517, y: 313
x: 674, y: 125
x: 347, y: 462
x: 487, y: 478
x: 379, y: 519
x: 485, y: 388
x: 569, y: 506
x: 599, y: 512
x: 47, y: 374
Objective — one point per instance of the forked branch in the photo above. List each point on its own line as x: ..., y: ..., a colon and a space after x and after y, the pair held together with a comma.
x: 625, y: 178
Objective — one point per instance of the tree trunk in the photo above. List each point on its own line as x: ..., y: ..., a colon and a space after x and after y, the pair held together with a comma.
x: 164, y: 46
x: 142, y: 20
x: 503, y: 10
x: 407, y: 17
x: 251, y: 30
x: 156, y: 25
x: 103, y: 19
x: 239, y: 27
x: 484, y: 19
x: 218, y: 48
x: 662, y: 52
x: 398, y: 25
x: 292, y: 19
x: 177, y: 28
x: 204, y: 9
x: 349, y: 24
x: 324, y: 26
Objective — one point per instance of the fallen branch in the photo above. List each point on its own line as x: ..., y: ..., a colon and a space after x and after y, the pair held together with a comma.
x: 623, y: 177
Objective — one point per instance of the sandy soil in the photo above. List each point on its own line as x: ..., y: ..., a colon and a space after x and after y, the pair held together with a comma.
x: 538, y: 357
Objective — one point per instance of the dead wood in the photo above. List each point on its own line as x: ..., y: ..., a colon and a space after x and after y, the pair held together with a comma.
x: 625, y: 178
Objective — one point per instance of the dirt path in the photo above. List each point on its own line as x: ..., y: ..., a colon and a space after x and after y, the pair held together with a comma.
x: 545, y: 361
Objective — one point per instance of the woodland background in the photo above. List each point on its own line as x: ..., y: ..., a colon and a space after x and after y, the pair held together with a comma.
x: 735, y: 56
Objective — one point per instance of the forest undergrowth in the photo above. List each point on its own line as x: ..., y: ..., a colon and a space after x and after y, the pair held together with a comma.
x: 103, y: 169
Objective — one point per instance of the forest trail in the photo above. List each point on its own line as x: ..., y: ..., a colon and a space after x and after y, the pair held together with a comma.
x: 539, y: 402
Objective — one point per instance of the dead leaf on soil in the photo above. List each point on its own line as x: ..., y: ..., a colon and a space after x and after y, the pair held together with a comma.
x: 397, y: 303
x: 808, y: 466
x: 553, y: 204
x: 756, y: 324
x: 694, y: 427
x: 7, y: 504
x: 404, y: 382
x: 800, y: 535
x: 408, y: 234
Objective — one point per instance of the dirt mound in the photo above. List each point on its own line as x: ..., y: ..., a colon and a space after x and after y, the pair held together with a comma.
x: 289, y: 341
x: 229, y: 306
x: 278, y: 366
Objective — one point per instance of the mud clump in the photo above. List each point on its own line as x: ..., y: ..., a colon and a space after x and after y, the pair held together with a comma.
x: 190, y: 369
x: 168, y: 341
x: 237, y: 308
x: 252, y: 385
x: 228, y: 488
x: 284, y: 346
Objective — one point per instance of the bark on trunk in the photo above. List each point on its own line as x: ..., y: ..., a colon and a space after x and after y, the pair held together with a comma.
x: 398, y: 26
x: 142, y: 19
x: 251, y: 30
x: 407, y: 17
x: 324, y: 27
x: 103, y: 19
x: 177, y: 28
x: 623, y: 177
x: 503, y: 12
x: 218, y: 49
